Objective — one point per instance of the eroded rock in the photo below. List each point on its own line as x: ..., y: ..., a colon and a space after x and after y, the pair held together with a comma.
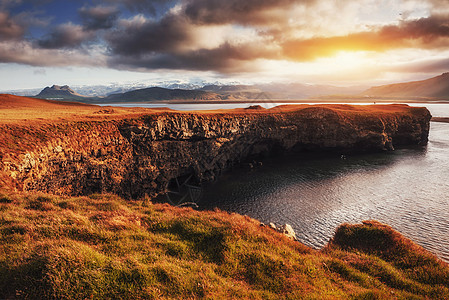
x: 135, y: 157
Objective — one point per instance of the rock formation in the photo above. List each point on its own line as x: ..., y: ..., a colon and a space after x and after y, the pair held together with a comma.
x: 286, y: 229
x: 60, y: 93
x: 137, y: 156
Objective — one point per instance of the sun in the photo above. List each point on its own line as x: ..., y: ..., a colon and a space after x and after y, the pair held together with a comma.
x: 348, y: 60
x: 342, y: 66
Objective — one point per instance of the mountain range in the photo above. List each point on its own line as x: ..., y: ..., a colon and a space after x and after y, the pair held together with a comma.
x: 208, y: 92
x: 436, y: 88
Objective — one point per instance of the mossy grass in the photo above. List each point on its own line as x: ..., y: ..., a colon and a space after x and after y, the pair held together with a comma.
x: 103, y: 247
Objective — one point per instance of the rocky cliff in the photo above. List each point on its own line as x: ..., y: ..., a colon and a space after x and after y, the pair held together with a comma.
x: 140, y: 155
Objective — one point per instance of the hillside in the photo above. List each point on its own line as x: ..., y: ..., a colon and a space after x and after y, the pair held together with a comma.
x: 436, y: 87
x: 19, y: 102
x: 102, y: 247
x: 18, y: 110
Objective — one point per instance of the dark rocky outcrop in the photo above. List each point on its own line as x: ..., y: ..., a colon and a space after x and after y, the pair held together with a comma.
x: 138, y: 156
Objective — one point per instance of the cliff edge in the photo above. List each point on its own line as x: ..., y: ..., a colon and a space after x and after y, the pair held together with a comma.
x: 138, y: 152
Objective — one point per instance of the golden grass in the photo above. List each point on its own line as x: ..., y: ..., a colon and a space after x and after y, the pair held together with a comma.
x: 103, y: 247
x: 29, y: 111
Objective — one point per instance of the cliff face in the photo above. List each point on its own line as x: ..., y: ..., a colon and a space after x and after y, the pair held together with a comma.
x: 138, y: 156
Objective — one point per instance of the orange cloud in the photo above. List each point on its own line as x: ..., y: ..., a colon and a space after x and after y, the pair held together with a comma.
x: 424, y: 33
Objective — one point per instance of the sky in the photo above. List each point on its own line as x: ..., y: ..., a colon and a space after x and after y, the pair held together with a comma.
x: 337, y: 42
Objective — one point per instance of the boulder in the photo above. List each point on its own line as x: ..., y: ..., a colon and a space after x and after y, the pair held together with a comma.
x: 288, y: 231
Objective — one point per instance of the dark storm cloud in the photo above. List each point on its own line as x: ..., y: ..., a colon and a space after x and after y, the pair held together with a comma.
x: 140, y: 6
x: 225, y: 58
x: 98, y: 17
x: 163, y: 43
x: 425, y: 29
x: 137, y: 37
x: 65, y: 36
x: 9, y: 29
x: 236, y: 11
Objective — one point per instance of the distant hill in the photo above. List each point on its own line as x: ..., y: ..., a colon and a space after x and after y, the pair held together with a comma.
x: 436, y: 87
x: 14, y: 102
x: 158, y: 93
x: 278, y: 91
x: 57, y: 92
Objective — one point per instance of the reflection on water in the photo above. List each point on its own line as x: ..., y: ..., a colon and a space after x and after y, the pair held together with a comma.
x: 406, y: 189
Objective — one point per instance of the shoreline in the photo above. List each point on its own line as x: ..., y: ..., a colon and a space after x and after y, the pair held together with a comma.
x: 440, y: 119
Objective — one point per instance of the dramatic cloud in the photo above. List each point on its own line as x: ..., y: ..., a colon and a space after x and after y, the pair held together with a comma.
x: 423, y: 33
x: 236, y: 11
x: 171, y: 41
x: 140, y: 36
x: 9, y: 29
x: 23, y: 52
x: 221, y: 36
x: 65, y: 36
x: 226, y: 58
x: 98, y: 17
x: 139, y: 6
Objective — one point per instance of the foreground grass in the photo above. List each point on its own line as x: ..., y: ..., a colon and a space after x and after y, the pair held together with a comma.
x: 103, y: 247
